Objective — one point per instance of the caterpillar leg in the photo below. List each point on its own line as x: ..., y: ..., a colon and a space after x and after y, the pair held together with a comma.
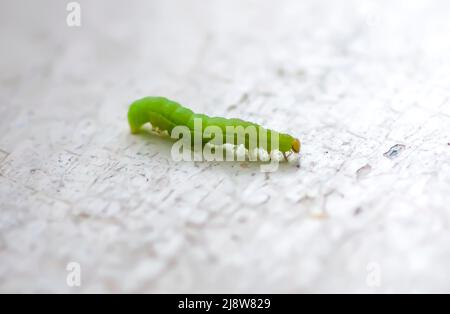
x: 286, y: 157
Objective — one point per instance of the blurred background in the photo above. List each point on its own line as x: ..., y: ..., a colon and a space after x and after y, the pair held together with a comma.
x: 363, y: 84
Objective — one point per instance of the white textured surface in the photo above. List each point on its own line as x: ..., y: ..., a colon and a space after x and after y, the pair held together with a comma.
x: 350, y: 78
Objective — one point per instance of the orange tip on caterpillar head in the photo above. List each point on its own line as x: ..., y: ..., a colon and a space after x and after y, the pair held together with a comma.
x: 296, y: 145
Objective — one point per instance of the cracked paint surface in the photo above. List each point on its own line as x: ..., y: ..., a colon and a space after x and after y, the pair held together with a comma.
x: 353, y: 80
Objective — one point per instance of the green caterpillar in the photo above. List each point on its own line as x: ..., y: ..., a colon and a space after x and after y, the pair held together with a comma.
x: 165, y: 115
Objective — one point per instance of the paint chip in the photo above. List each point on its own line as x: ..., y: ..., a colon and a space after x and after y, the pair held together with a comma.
x: 394, y: 151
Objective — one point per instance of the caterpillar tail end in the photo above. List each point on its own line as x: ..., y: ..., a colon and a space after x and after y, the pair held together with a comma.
x: 134, y: 130
x: 133, y: 120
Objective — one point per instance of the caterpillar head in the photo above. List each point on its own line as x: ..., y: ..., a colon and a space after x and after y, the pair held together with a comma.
x: 295, y: 145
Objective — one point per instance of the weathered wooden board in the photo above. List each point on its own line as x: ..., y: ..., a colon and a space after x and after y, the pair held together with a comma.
x: 351, y: 79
